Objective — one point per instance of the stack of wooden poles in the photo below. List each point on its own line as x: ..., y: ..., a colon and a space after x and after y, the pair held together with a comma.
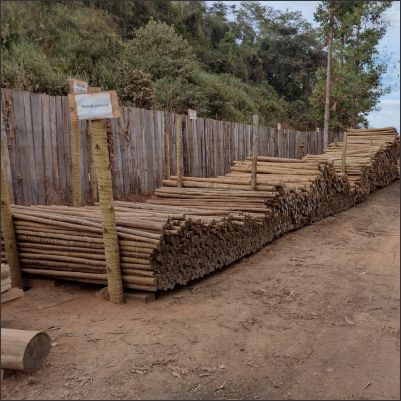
x: 8, y: 292
x: 183, y: 233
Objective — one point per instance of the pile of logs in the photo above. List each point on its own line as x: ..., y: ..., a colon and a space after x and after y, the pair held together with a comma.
x: 8, y: 292
x: 183, y: 233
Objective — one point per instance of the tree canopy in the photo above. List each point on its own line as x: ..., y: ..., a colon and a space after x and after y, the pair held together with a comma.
x: 226, y: 61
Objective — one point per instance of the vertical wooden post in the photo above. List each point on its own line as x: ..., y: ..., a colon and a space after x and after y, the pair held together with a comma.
x: 167, y: 151
x: 344, y: 154
x: 255, y: 139
x: 180, y: 159
x: 75, y: 162
x: 10, y: 242
x: 91, y: 164
x: 106, y: 203
x: 76, y: 86
x: 279, y: 140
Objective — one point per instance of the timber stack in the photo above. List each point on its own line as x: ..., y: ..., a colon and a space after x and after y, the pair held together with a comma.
x: 8, y: 292
x: 183, y: 233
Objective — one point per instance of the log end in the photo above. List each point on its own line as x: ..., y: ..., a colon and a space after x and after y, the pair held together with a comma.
x: 36, y: 351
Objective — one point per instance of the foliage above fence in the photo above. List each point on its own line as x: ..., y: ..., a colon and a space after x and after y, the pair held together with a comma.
x: 36, y: 148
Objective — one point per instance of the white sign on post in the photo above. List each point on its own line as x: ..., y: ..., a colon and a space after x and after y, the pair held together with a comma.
x: 94, y: 106
x: 192, y: 114
x: 78, y: 86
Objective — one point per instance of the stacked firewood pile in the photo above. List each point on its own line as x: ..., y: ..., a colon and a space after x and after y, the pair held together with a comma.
x: 183, y: 233
x: 372, y: 157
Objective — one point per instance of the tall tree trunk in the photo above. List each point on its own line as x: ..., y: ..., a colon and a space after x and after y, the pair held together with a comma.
x: 328, y: 79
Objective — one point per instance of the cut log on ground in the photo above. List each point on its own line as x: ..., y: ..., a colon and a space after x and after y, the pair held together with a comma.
x: 23, y: 349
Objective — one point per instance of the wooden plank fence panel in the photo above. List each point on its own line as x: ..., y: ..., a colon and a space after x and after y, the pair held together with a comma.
x: 84, y: 163
x: 5, y: 156
x: 37, y: 139
x: 47, y: 149
x: 37, y: 134
x: 8, y: 113
x: 67, y: 148
x: 60, y: 148
x: 22, y: 148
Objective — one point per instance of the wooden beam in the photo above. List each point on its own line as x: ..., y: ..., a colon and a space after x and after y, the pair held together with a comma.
x: 344, y: 154
x: 255, y: 136
x: 106, y: 203
x: 180, y: 158
x: 10, y: 242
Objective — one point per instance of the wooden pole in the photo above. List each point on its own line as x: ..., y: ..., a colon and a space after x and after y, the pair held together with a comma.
x: 91, y: 166
x: 344, y: 154
x: 106, y: 203
x: 279, y: 141
x: 23, y: 349
x: 167, y: 151
x: 75, y: 162
x: 180, y: 159
x: 255, y: 135
x: 297, y: 145
x: 10, y: 242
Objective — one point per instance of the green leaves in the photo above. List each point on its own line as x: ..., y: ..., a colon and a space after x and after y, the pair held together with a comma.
x: 357, y: 69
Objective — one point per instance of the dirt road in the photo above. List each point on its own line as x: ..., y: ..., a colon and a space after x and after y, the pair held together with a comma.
x: 315, y: 315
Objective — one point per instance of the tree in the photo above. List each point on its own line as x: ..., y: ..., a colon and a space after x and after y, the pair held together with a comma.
x: 43, y: 43
x: 332, y: 9
x: 357, y: 67
x: 160, y: 51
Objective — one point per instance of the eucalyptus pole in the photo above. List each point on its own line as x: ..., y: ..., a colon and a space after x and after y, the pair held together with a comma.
x: 255, y: 139
x: 106, y: 204
x: 10, y: 242
x: 180, y: 160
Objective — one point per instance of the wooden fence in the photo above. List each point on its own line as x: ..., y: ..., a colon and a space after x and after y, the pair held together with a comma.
x: 36, y: 151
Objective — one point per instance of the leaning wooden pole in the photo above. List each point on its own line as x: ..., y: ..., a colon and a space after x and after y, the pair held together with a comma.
x: 255, y: 139
x: 10, y: 242
x: 180, y: 159
x: 106, y: 203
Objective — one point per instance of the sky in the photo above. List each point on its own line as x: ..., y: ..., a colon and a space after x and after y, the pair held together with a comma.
x: 388, y: 114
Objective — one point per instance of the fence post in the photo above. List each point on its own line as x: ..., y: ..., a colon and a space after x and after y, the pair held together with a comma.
x: 106, y: 204
x: 91, y: 163
x: 344, y: 154
x: 255, y: 137
x: 279, y: 140
x: 167, y: 151
x: 85, y: 110
x: 75, y: 163
x: 75, y: 86
x: 180, y: 160
x: 10, y: 243
x: 317, y: 135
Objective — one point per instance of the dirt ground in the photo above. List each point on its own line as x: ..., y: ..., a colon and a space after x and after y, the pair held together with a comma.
x: 315, y: 315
